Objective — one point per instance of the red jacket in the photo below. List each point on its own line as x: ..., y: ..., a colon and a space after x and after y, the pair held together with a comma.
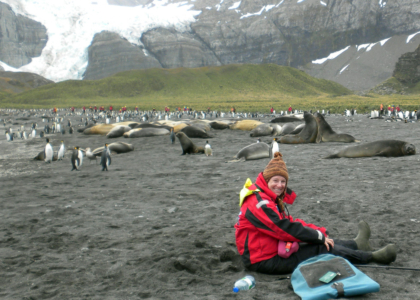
x: 261, y: 225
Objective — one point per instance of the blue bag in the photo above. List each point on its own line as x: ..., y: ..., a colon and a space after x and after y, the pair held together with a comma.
x: 348, y: 280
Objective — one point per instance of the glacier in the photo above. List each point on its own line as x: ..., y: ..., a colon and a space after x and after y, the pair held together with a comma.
x: 71, y: 25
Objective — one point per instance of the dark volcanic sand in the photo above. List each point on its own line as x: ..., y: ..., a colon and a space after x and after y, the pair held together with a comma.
x: 159, y: 225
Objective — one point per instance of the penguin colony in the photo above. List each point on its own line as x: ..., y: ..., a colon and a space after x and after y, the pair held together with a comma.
x: 193, y: 124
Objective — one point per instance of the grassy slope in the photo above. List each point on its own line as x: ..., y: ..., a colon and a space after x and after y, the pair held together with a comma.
x: 247, y: 87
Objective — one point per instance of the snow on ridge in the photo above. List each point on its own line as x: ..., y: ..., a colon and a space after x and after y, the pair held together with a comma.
x: 411, y: 36
x: 280, y: 3
x: 265, y: 7
x: 331, y: 56
x: 343, y: 69
x: 382, y: 3
x: 323, y: 3
x: 299, y: 1
x: 71, y: 25
x: 235, y: 5
x: 384, y: 41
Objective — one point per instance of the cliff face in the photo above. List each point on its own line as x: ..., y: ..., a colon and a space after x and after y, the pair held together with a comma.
x: 258, y: 31
x: 407, y: 69
x: 21, y: 38
x: 110, y: 54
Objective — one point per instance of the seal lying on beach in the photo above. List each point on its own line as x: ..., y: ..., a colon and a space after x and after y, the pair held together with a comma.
x: 146, y: 132
x: 117, y: 147
x: 387, y: 148
x: 326, y: 134
x: 188, y: 147
x: 252, y: 152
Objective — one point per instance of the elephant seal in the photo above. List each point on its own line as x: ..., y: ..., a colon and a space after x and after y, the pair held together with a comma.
x: 246, y: 125
x: 82, y: 129
x: 286, y: 120
x: 252, y: 152
x: 149, y: 125
x: 220, y: 125
x: 387, y: 148
x: 307, y: 135
x: 188, y: 147
x: 195, y: 132
x: 146, y: 132
x: 326, y: 134
x: 117, y: 147
x: 287, y: 128
x: 262, y: 130
x: 118, y: 131
x: 298, y: 129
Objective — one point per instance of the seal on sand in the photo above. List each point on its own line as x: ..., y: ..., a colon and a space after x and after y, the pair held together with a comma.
x: 145, y: 132
x: 307, y: 135
x: 253, y: 151
x: 188, y: 147
x: 285, y: 119
x: 246, y: 125
x: 117, y: 147
x: 262, y: 130
x: 326, y: 134
x: 195, y: 132
x: 387, y: 148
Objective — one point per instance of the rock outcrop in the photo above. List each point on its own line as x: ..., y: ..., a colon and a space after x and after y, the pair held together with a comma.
x: 109, y: 54
x: 21, y: 38
x: 407, y: 69
x: 17, y: 82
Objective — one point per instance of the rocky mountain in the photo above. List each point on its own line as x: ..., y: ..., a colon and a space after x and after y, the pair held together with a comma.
x: 220, y: 32
x: 407, y: 69
x: 17, y: 82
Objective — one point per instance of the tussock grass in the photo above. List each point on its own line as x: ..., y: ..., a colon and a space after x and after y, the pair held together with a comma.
x: 246, y: 87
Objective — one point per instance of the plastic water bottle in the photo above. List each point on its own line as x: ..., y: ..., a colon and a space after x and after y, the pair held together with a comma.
x: 244, y: 284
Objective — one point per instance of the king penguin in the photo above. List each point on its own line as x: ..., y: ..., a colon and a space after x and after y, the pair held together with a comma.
x: 48, y: 152
x: 75, y: 161
x: 105, y: 158
x: 81, y: 156
x: 274, y: 148
x: 172, y: 136
x: 207, y: 149
x: 60, y: 154
x: 9, y: 137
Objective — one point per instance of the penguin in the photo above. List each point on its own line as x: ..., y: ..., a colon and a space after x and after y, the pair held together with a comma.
x: 71, y: 130
x: 81, y: 156
x: 9, y: 137
x: 274, y: 148
x: 75, y: 161
x: 105, y: 158
x: 172, y: 136
x: 207, y: 149
x: 33, y: 134
x: 258, y: 140
x: 20, y: 134
x: 63, y: 130
x: 48, y: 152
x: 90, y: 155
x: 41, y: 134
x: 61, y: 151
x: 25, y: 136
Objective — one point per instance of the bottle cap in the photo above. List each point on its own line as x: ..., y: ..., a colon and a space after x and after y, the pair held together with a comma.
x: 235, y: 289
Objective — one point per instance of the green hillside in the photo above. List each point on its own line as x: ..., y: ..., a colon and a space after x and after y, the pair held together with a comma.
x: 221, y: 87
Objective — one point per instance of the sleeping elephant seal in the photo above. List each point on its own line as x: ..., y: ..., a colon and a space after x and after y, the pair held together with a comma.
x: 220, y: 125
x: 307, y: 135
x: 252, y: 152
x: 195, y: 132
x: 146, y: 132
x: 326, y: 134
x: 286, y: 119
x: 117, y: 147
x: 188, y: 147
x: 246, y: 125
x: 387, y: 148
x: 118, y: 131
x: 262, y: 130
x: 288, y: 128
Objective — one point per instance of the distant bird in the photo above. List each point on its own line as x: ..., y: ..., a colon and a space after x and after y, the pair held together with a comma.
x: 61, y: 151
x: 9, y: 137
x: 48, y: 152
x: 172, y: 136
x: 90, y: 155
x: 274, y: 147
x: 207, y: 149
x: 75, y: 160
x: 105, y: 158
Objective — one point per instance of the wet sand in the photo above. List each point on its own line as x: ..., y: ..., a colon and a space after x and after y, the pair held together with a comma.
x: 159, y: 225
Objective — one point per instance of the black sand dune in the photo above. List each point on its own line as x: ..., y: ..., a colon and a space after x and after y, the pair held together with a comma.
x: 159, y: 225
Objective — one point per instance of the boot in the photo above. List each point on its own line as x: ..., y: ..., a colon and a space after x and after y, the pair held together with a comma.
x: 362, y: 239
x: 386, y: 255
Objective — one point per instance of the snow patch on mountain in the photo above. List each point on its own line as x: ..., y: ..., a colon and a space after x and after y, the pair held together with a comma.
x: 331, y: 56
x: 71, y: 25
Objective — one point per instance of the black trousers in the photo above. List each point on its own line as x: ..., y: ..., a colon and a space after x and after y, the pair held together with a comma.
x: 278, y: 265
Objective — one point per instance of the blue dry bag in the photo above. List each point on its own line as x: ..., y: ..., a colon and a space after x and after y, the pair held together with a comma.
x: 344, y: 280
